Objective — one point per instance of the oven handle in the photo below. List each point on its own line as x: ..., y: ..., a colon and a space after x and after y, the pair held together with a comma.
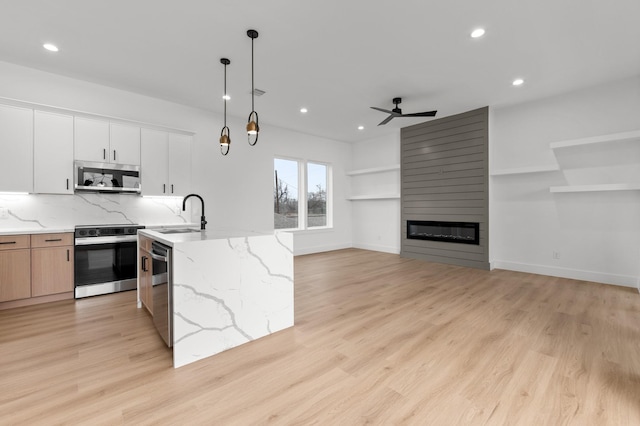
x: 104, y: 240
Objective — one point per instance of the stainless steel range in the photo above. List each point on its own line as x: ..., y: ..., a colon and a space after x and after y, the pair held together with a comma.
x: 105, y: 259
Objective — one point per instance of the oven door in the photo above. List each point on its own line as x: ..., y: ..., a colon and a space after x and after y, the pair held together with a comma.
x: 106, y: 266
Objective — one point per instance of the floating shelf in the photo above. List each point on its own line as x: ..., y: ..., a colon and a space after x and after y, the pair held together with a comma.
x: 374, y: 170
x: 597, y: 188
x: 614, y: 137
x: 525, y: 170
x: 374, y: 197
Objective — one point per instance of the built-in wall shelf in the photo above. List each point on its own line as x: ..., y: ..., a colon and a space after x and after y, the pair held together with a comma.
x: 614, y: 137
x: 374, y: 170
x: 597, y: 188
x: 374, y: 197
x: 526, y: 170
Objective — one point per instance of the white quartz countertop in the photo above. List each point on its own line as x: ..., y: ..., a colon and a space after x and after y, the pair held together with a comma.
x: 35, y: 231
x: 208, y: 234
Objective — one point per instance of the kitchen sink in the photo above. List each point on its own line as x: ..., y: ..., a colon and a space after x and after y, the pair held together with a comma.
x: 178, y: 231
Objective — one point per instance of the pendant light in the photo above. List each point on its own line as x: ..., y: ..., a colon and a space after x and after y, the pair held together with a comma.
x: 225, y: 134
x: 253, y: 127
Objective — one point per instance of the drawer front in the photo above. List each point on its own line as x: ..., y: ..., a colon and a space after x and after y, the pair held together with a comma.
x: 13, y: 242
x: 52, y: 240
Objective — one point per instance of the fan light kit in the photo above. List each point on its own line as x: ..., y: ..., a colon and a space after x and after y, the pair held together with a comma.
x: 397, y: 112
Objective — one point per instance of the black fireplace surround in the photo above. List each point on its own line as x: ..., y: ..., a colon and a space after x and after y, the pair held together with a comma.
x: 451, y: 232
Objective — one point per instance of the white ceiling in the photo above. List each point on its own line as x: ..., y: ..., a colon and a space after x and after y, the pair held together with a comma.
x: 337, y: 58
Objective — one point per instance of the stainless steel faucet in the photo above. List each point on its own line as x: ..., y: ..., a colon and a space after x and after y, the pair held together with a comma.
x: 203, y: 221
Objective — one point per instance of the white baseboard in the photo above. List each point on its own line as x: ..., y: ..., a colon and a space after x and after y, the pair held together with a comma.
x: 320, y: 249
x: 575, y: 274
x: 375, y: 247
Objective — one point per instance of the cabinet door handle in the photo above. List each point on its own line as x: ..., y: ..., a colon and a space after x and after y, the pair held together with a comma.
x: 172, y: 188
x: 7, y: 242
x: 67, y: 255
x: 104, y: 153
x: 114, y: 155
x: 144, y: 263
x: 53, y: 239
x: 164, y: 188
x: 67, y: 183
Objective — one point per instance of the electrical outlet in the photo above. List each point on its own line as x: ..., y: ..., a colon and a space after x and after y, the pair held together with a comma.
x: 4, y: 212
x: 556, y: 255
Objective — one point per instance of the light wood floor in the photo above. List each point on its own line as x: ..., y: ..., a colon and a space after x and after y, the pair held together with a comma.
x: 378, y: 340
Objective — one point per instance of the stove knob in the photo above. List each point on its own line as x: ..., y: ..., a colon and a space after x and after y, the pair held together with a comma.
x: 83, y: 232
x: 92, y: 232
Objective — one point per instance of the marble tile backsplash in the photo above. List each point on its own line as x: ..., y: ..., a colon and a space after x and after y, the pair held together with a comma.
x: 41, y: 212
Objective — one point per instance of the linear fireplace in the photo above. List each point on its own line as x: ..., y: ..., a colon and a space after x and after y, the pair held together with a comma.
x: 452, y: 232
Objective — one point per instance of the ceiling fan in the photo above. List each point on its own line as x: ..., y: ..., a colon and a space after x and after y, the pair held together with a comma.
x: 397, y: 112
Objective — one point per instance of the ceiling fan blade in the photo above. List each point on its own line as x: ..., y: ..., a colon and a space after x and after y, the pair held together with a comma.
x: 386, y: 120
x: 383, y: 110
x: 421, y: 114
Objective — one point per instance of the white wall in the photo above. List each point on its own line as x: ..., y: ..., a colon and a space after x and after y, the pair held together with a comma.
x: 238, y: 188
x: 376, y: 223
x: 596, y: 234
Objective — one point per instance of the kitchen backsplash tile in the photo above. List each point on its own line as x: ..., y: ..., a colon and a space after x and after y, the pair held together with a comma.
x: 40, y: 211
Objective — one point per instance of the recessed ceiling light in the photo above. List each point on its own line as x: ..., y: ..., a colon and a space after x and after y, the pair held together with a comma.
x: 226, y: 97
x: 360, y: 127
x: 303, y: 110
x: 518, y: 82
x: 50, y: 47
x: 478, y: 32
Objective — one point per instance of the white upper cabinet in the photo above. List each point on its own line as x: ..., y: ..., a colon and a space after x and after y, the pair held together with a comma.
x: 53, y: 153
x: 91, y: 140
x: 154, y: 172
x: 16, y: 149
x: 166, y: 163
x: 105, y: 142
x: 125, y: 144
x: 180, y: 164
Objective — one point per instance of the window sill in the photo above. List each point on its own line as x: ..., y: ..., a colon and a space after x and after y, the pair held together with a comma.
x: 315, y: 230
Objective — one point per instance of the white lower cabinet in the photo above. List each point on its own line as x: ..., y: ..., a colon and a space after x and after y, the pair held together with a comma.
x: 165, y: 163
x: 53, y: 153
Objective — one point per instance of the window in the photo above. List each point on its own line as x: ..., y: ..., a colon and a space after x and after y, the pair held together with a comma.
x: 301, y: 186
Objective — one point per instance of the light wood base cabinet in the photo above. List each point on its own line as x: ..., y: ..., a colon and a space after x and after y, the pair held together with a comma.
x: 51, y: 264
x: 15, y: 267
x: 145, y: 289
x: 35, y: 269
x: 15, y: 271
x: 51, y: 270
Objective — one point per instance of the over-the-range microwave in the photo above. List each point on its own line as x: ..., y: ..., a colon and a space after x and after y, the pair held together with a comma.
x: 106, y: 177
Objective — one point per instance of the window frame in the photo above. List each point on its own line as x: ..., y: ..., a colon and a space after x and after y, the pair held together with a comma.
x: 303, y: 193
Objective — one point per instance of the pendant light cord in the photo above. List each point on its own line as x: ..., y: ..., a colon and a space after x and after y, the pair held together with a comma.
x: 253, y: 90
x: 225, y: 95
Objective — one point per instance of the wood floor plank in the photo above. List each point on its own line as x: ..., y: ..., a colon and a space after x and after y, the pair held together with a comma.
x: 378, y: 339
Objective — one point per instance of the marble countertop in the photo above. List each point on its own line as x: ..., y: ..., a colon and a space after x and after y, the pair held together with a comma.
x: 22, y: 231
x: 187, y: 237
x: 68, y: 228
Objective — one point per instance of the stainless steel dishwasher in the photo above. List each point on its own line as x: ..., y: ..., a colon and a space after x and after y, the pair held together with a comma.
x: 162, y: 283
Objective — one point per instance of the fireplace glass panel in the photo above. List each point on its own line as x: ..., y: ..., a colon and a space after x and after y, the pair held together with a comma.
x: 453, y: 232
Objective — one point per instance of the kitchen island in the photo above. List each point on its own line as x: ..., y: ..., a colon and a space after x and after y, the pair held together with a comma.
x: 228, y: 288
